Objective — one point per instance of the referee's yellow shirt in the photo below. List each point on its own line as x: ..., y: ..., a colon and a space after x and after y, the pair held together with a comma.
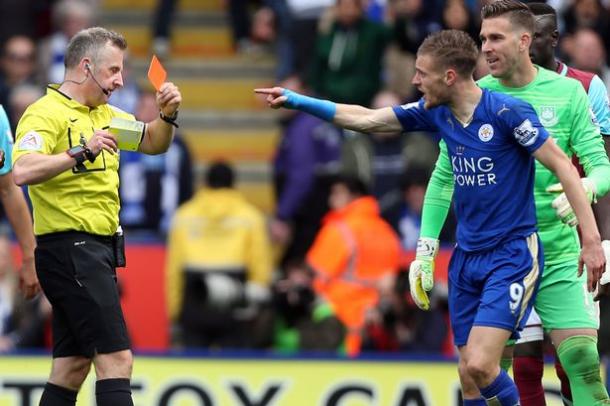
x: 74, y: 200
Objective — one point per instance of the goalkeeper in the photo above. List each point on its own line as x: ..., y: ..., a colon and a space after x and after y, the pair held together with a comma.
x: 564, y: 304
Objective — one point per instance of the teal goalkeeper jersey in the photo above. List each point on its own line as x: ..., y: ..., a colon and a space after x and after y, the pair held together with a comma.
x: 563, y: 108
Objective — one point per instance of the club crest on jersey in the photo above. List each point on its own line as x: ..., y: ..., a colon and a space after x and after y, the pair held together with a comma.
x: 526, y: 133
x: 548, y: 116
x: 486, y: 132
x: 32, y: 141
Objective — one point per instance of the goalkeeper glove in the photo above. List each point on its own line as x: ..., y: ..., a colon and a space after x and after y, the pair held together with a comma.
x: 421, y: 271
x: 562, y: 206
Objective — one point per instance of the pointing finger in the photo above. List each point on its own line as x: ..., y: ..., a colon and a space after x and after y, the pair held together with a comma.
x: 264, y: 90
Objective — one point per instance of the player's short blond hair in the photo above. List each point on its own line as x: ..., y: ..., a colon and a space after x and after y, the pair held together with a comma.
x: 452, y: 49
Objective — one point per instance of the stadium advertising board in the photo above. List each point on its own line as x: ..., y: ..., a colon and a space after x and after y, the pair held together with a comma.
x: 172, y: 381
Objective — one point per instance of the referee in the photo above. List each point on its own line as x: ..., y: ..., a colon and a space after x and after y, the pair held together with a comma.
x: 69, y: 159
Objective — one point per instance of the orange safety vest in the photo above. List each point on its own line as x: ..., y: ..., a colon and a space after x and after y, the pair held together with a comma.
x: 350, y: 254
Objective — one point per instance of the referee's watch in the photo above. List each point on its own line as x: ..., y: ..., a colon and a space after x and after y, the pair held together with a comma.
x: 80, y: 154
x: 169, y: 119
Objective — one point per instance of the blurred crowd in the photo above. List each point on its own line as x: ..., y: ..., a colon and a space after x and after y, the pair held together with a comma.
x: 327, y: 270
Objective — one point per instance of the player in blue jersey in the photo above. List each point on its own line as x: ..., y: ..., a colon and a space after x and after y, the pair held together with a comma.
x: 490, y: 137
x: 17, y: 211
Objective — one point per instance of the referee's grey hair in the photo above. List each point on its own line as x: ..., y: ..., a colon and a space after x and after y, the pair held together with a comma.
x: 89, y: 42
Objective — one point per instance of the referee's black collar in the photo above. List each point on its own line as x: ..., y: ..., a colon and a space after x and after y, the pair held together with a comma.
x: 54, y: 88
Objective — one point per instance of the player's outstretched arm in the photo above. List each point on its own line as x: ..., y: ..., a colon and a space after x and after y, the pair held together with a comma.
x: 592, y: 255
x: 350, y: 116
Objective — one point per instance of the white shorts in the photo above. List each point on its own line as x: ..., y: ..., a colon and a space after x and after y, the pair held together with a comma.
x: 533, y: 329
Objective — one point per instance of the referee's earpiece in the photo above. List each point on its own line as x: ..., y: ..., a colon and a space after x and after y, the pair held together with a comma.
x: 105, y: 91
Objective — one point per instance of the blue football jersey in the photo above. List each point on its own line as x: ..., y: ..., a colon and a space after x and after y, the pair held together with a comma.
x: 493, y: 169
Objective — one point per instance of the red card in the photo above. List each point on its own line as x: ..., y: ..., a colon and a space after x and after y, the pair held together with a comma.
x: 156, y: 73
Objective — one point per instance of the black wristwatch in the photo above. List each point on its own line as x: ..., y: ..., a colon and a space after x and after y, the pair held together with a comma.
x: 80, y: 154
x: 170, y: 119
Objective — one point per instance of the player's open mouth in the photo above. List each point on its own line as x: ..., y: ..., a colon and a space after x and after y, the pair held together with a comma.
x: 492, y: 61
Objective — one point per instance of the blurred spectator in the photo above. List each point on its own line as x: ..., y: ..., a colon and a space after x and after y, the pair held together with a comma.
x: 588, y: 14
x: 239, y: 13
x: 402, y: 326
x: 303, y: 321
x: 21, y: 97
x: 269, y: 24
x: 354, y: 252
x: 457, y: 16
x: 69, y: 17
x: 413, y: 22
x: 376, y: 10
x: 306, y: 159
x: 18, y: 67
x: 24, y: 17
x: 588, y: 54
x: 153, y: 186
x: 219, y: 267
x: 305, y: 15
x: 413, y: 186
x: 337, y: 71
x: 163, y: 16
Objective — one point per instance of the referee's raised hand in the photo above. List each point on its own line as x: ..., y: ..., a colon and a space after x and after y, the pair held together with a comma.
x: 168, y: 98
x: 100, y: 140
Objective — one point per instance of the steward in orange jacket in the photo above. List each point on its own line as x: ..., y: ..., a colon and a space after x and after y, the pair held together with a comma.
x: 352, y: 253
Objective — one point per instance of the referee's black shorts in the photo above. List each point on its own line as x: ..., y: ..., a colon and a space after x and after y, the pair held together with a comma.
x: 77, y: 274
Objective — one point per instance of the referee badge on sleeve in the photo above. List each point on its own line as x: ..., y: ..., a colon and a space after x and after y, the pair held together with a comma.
x: 32, y: 141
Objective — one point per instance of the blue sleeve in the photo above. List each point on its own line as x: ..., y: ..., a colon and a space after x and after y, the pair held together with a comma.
x: 414, y: 117
x: 600, y: 105
x: 6, y: 142
x: 525, y: 127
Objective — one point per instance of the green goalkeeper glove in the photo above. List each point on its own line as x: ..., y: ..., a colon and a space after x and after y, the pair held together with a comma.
x: 421, y: 271
x: 562, y: 206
